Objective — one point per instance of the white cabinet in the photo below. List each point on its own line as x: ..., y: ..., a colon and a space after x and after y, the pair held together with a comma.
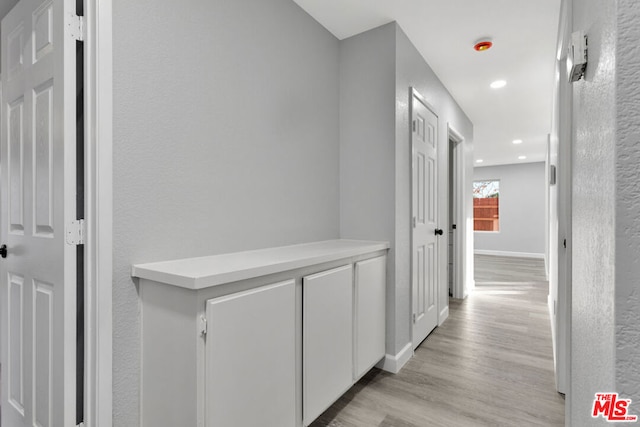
x: 343, y: 330
x: 327, y: 361
x: 250, y: 358
x: 370, y: 307
x: 261, y: 338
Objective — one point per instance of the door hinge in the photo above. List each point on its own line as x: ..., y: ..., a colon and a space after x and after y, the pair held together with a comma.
x: 414, y: 318
x: 414, y: 125
x: 76, y: 27
x: 564, y: 243
x: 415, y: 222
x: 203, y: 326
x: 76, y: 232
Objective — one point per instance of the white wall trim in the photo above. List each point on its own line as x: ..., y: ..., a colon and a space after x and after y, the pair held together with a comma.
x: 98, y: 214
x: 444, y: 314
x: 454, y: 134
x: 509, y: 254
x: 552, y: 318
x: 392, y: 363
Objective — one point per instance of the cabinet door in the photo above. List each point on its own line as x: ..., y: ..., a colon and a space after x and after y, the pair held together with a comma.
x: 250, y: 358
x: 327, y: 339
x: 370, y: 290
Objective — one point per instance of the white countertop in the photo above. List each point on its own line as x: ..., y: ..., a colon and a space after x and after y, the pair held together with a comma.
x: 202, y: 272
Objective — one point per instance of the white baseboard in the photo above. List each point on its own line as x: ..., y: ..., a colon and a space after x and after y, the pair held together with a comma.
x: 509, y: 254
x: 552, y: 318
x: 443, y: 315
x: 392, y: 363
x: 553, y: 333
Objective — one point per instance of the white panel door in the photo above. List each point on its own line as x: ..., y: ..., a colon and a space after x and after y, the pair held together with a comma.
x: 370, y: 308
x: 327, y: 339
x: 424, y: 259
x: 250, y: 362
x: 38, y: 275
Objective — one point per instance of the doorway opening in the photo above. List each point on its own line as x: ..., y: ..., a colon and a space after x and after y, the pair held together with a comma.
x: 455, y: 191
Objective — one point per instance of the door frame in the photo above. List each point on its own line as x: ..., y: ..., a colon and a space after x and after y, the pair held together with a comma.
x: 563, y: 240
x: 458, y: 289
x: 98, y: 212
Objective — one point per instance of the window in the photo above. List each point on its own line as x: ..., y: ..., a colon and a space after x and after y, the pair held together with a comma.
x: 486, y: 205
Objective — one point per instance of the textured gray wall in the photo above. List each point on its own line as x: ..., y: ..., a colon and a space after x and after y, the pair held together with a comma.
x: 593, y: 214
x: 628, y: 203
x: 522, y: 208
x: 225, y: 139
x: 367, y: 141
x: 377, y: 69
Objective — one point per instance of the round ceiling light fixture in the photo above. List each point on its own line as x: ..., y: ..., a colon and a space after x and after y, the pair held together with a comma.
x: 517, y: 141
x: 483, y: 45
x: 498, y: 84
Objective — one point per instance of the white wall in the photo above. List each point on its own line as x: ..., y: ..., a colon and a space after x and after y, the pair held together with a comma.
x: 627, y: 295
x: 593, y: 327
x: 522, y: 209
x: 225, y: 139
x: 593, y: 343
x: 379, y: 66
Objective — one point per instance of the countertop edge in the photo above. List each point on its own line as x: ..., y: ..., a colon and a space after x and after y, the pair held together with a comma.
x: 161, y: 271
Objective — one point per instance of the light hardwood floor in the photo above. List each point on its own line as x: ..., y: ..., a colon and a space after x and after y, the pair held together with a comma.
x: 489, y: 364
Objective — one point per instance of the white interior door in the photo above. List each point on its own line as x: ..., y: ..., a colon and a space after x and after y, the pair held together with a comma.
x: 38, y: 202
x: 424, y: 262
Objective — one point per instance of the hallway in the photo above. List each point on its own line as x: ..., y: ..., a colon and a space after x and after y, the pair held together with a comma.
x: 490, y: 364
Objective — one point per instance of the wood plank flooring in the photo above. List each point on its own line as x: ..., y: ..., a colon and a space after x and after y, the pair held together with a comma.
x: 489, y: 364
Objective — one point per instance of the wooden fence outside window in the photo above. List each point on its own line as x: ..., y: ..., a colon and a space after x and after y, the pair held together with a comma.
x: 486, y: 214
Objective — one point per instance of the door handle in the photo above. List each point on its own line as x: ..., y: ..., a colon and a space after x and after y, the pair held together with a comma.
x: 439, y: 232
x: 3, y: 251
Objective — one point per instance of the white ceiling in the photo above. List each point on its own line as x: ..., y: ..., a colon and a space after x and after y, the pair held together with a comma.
x: 524, y: 35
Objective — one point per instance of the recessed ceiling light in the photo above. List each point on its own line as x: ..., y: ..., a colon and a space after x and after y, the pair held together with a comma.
x: 517, y: 141
x: 522, y: 157
x: 498, y: 84
x: 479, y: 161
